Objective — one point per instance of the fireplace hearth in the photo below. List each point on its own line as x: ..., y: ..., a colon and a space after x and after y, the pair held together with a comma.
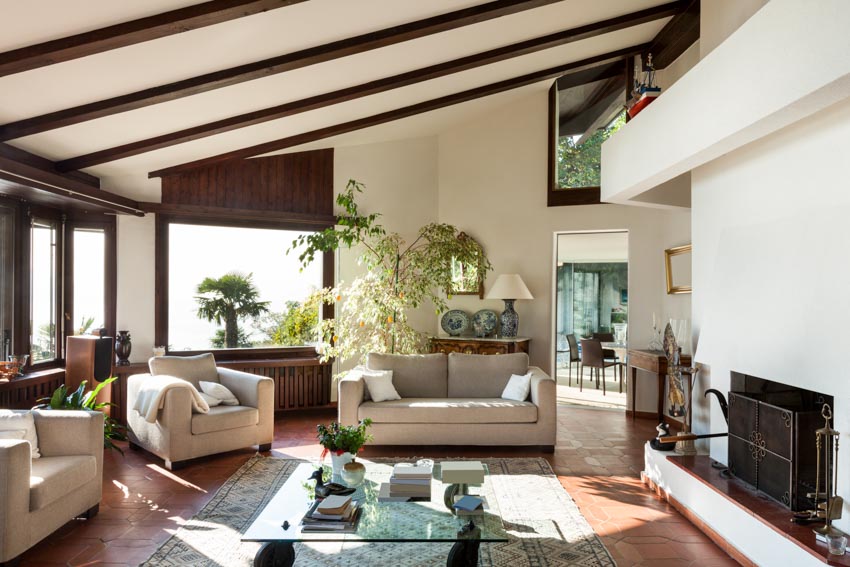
x: 772, y: 438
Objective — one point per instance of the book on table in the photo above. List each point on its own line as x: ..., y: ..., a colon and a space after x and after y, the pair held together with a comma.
x: 462, y: 472
x: 334, y: 504
x: 345, y: 521
x: 402, y: 470
x: 385, y: 494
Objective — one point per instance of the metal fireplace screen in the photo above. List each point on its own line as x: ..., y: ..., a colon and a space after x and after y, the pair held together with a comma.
x: 772, y: 438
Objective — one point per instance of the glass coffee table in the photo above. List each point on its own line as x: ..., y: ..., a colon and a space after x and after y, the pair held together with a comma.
x: 278, y: 525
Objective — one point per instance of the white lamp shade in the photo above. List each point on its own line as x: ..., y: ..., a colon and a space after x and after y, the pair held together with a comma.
x: 509, y: 286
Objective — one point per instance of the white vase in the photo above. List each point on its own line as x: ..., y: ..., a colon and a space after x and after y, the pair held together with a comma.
x: 339, y: 461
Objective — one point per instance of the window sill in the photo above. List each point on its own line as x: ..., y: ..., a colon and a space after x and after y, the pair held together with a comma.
x: 237, y: 354
x: 564, y: 197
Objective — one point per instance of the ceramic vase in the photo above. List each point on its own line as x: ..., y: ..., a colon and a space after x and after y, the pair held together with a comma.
x: 509, y: 320
x: 123, y: 347
x: 353, y: 473
x: 339, y: 461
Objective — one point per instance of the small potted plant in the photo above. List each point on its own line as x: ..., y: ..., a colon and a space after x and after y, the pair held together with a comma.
x: 343, y: 443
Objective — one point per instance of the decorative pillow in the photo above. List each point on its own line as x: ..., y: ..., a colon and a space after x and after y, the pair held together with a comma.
x: 13, y: 434
x: 21, y: 421
x: 380, y: 385
x: 219, y: 392
x: 211, y: 401
x: 518, y: 387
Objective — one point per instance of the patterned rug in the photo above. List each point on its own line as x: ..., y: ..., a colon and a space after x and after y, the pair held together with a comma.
x: 544, y: 525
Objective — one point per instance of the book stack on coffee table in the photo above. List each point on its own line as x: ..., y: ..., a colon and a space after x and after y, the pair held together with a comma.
x: 334, y: 513
x: 407, y: 483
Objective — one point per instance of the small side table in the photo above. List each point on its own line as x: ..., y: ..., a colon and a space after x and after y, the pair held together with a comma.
x: 654, y: 361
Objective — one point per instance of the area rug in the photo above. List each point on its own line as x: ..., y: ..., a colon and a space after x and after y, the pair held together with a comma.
x: 545, y: 527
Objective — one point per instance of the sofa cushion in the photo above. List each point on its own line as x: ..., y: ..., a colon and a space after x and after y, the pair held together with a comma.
x: 483, y: 375
x: 21, y: 421
x: 53, y: 478
x: 190, y: 368
x: 414, y: 375
x: 222, y: 418
x: 449, y: 410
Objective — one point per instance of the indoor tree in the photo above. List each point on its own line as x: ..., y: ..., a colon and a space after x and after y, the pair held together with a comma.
x: 227, y: 300
x: 371, y: 313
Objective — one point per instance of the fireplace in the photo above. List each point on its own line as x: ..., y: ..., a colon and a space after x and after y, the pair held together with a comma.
x: 772, y: 438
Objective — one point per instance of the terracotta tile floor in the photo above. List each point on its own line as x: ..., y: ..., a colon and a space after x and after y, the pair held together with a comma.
x: 598, y: 458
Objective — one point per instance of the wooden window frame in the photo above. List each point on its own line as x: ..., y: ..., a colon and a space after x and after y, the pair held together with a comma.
x: 66, y: 221
x: 556, y: 196
x: 161, y: 280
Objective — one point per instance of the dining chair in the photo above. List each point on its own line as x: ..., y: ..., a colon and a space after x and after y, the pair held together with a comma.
x: 575, y: 358
x: 611, y: 355
x: 591, y: 356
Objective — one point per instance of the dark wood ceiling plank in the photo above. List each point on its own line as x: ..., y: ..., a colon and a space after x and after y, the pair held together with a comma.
x: 374, y: 87
x: 579, y: 72
x: 33, y: 176
x: 267, y: 67
x: 34, y: 160
x: 676, y: 37
x: 132, y: 32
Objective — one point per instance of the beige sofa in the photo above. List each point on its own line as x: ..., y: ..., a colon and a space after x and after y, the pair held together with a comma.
x: 453, y: 400
x: 38, y: 496
x: 179, y: 434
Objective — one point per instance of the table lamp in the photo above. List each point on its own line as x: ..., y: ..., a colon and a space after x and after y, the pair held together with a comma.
x: 509, y: 287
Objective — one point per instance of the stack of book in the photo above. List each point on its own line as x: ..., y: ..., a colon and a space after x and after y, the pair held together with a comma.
x: 407, y: 483
x: 334, y: 513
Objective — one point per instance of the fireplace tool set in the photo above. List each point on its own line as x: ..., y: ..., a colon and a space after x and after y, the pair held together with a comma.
x: 827, y: 505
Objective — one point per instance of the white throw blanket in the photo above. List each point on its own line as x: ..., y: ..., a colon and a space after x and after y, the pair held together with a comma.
x: 151, y: 396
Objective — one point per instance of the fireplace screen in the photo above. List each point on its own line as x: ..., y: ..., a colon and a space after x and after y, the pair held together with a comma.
x: 772, y: 438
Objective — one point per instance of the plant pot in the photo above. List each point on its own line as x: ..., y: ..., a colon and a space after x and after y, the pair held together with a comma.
x: 339, y: 461
x: 353, y: 473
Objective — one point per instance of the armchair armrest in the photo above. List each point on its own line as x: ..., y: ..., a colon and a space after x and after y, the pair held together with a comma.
x: 69, y: 432
x: 351, y: 391
x: 251, y: 390
x: 15, y: 471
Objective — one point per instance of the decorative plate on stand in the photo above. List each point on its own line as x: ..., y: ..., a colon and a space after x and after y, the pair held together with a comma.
x: 455, y: 322
x: 484, y: 322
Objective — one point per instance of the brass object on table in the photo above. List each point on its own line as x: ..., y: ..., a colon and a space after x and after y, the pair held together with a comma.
x: 680, y: 383
x: 9, y: 370
x: 827, y: 505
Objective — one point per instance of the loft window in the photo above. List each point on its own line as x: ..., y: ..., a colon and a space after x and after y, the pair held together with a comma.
x: 579, y: 157
x: 234, y: 287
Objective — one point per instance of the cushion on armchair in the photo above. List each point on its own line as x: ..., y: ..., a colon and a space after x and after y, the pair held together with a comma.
x: 193, y: 369
x: 53, y: 478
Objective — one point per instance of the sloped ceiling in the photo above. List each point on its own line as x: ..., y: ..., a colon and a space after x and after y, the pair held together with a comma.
x: 257, y: 37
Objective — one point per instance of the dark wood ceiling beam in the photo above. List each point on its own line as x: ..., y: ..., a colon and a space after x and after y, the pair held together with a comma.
x: 374, y: 87
x: 267, y: 67
x: 676, y: 37
x: 34, y: 160
x: 133, y: 32
x: 579, y: 72
x: 32, y: 176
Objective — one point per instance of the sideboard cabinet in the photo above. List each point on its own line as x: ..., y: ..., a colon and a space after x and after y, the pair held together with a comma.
x: 473, y: 345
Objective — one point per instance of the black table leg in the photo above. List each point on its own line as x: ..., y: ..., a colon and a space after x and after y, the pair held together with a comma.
x: 464, y: 552
x: 275, y: 554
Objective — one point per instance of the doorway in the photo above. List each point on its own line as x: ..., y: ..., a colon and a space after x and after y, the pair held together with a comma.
x: 591, y: 304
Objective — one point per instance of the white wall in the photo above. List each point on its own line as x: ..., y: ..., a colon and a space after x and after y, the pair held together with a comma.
x: 492, y: 185
x: 719, y: 18
x: 770, y: 263
x: 135, y: 301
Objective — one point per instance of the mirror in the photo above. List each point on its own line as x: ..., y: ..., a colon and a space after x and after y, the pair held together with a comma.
x: 678, y: 267
x: 467, y: 279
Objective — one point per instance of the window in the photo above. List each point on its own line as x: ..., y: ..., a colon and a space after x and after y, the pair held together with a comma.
x: 234, y: 287
x: 56, y: 269
x: 579, y: 160
x: 89, y: 290
x: 43, y: 291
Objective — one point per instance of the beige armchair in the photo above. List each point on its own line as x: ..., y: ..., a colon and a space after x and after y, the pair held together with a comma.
x: 179, y: 434
x: 38, y: 496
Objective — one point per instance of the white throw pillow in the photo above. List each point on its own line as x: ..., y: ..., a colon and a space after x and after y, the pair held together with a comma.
x: 517, y: 388
x: 211, y: 401
x: 220, y: 392
x: 380, y: 385
x: 13, y: 434
x: 21, y: 421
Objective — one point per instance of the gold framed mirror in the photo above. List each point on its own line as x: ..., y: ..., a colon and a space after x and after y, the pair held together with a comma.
x: 467, y: 279
x: 677, y: 263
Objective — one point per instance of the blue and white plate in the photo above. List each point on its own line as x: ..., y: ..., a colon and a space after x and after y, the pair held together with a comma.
x: 455, y: 322
x: 484, y: 322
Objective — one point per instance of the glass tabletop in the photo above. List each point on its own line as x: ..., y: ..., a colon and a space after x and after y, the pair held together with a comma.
x: 379, y: 521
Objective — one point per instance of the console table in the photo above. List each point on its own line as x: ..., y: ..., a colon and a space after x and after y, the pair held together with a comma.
x: 654, y: 361
x: 475, y: 345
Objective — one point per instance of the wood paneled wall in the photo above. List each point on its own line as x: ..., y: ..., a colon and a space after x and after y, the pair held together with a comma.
x: 294, y: 183
x: 24, y: 393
